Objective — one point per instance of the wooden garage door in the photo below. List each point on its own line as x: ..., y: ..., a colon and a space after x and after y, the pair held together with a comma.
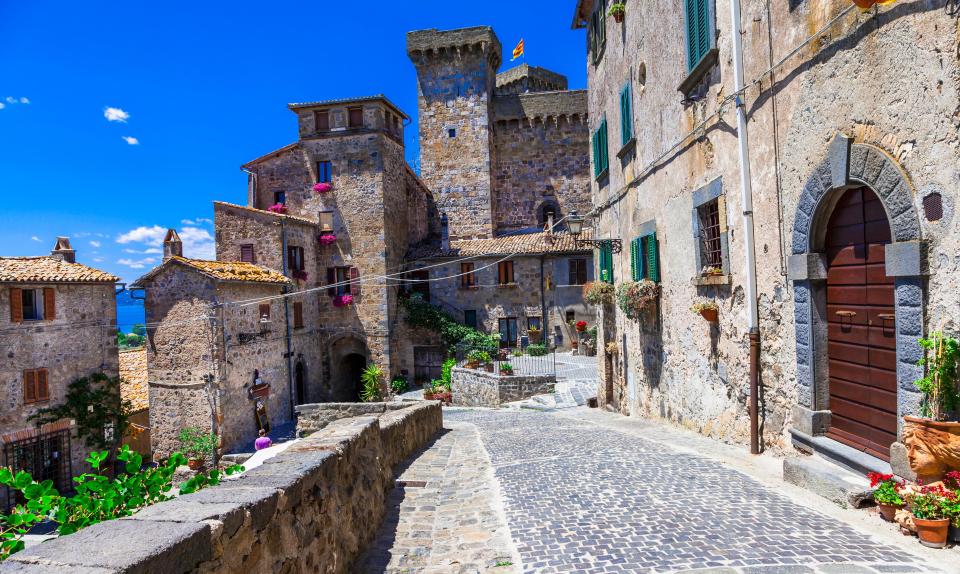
x: 861, y: 330
x: 427, y: 363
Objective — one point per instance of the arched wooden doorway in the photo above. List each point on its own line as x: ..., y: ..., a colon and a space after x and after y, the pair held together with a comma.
x: 862, y: 336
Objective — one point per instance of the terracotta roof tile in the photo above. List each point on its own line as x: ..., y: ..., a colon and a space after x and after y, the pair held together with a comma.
x: 524, y: 244
x: 221, y: 271
x: 48, y: 269
x: 133, y: 378
x: 217, y: 204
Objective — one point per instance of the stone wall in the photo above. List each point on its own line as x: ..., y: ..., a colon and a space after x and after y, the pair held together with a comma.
x: 475, y: 388
x: 313, y: 508
x: 314, y: 417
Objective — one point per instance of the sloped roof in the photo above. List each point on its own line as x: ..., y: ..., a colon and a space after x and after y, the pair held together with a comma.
x: 526, y: 244
x: 47, y: 269
x: 342, y: 101
x: 133, y: 378
x: 217, y: 204
x: 233, y: 271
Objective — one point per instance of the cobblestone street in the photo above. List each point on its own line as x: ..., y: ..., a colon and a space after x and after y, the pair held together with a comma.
x: 582, y: 497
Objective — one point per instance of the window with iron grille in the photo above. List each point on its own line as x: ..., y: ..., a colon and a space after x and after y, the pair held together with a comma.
x: 468, y: 277
x: 45, y: 457
x: 711, y: 246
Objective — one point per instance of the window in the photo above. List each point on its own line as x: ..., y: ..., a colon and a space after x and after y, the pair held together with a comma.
x: 295, y: 258
x: 265, y: 311
x: 600, y: 156
x: 326, y: 222
x: 32, y: 304
x: 606, y: 262
x: 508, y: 331
x: 626, y: 115
x: 355, y: 117
x: 452, y: 132
x: 246, y: 254
x: 534, y: 323
x: 322, y: 120
x: 644, y: 261
x: 571, y: 317
x: 36, y: 386
x: 505, y: 273
x: 700, y: 31
x: 598, y: 32
x: 343, y: 281
x: 324, y: 172
x: 548, y: 214
x: 711, y: 246
x: 280, y: 197
x: 298, y: 314
x: 578, y: 272
x: 396, y: 125
x: 470, y: 318
x: 468, y: 278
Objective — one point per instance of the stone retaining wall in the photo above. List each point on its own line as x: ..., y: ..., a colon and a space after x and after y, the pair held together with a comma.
x: 312, y: 508
x: 316, y: 416
x: 473, y: 388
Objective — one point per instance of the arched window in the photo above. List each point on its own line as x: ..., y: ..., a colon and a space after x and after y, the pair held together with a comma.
x: 549, y: 212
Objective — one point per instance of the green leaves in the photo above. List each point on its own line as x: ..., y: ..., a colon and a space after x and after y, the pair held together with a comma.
x: 370, y: 378
x: 941, y: 393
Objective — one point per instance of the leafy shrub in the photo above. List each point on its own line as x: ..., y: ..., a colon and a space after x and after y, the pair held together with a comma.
x: 196, y: 443
x: 506, y: 368
x: 422, y: 314
x: 399, y: 384
x: 370, y: 379
x: 95, y: 404
x: 941, y: 394
x: 635, y: 298
x: 536, y: 350
x: 598, y: 292
x: 446, y: 371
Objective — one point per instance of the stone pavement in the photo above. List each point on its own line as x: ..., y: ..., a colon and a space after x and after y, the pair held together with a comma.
x: 582, y: 497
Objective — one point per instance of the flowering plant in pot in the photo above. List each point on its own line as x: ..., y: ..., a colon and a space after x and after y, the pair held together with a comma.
x: 475, y: 358
x: 598, y: 292
x: 328, y: 239
x: 933, y: 508
x: 300, y: 274
x: 636, y: 298
x: 277, y: 208
x: 506, y: 369
x: 618, y: 10
x: 707, y: 309
x: 197, y: 445
x: 343, y: 300
x: 886, y: 494
x: 580, y: 326
x: 709, y: 271
x: 322, y: 187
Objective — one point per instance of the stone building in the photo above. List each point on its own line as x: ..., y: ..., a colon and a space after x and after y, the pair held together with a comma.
x: 206, y: 349
x: 854, y: 167
x: 60, y: 325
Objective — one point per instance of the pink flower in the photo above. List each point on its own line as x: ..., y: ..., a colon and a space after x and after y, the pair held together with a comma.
x: 328, y: 239
x: 322, y: 187
x: 343, y: 300
x: 277, y: 208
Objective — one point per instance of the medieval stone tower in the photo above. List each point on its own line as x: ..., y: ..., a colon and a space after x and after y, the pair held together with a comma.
x: 457, y: 74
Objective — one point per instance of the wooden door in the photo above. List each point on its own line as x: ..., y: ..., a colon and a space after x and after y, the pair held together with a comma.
x: 861, y: 329
x: 427, y: 364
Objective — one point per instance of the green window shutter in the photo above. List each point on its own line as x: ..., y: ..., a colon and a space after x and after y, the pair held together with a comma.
x: 653, y: 260
x: 596, y: 156
x: 602, y: 145
x: 698, y: 32
x: 626, y: 115
x: 609, y: 250
x: 634, y: 260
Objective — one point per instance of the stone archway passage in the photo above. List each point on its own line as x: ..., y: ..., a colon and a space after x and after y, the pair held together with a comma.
x: 862, y: 342
x: 349, y: 386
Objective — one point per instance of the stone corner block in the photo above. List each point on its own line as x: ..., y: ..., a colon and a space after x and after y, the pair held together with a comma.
x: 899, y: 462
x: 809, y: 422
x: 827, y: 480
x: 840, y: 160
x: 806, y: 267
x: 906, y: 259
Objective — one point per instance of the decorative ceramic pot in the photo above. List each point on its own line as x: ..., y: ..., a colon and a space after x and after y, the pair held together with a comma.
x: 933, y: 447
x: 888, y: 511
x: 711, y: 315
x: 195, y: 463
x: 618, y: 17
x: 932, y: 533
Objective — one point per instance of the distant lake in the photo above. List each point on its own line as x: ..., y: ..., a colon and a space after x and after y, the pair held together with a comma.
x: 129, y: 312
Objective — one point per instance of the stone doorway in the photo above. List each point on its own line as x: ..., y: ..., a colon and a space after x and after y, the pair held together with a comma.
x: 300, y: 381
x: 348, y: 358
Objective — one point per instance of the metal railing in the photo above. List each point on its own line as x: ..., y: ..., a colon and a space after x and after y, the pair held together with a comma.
x: 533, y: 360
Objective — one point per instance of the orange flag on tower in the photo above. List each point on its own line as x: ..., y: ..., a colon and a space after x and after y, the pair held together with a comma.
x: 518, y: 51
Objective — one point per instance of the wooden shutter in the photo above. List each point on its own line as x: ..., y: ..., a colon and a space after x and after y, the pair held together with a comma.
x: 322, y: 120
x: 653, y: 260
x: 626, y: 115
x: 246, y: 254
x: 636, y: 271
x: 596, y: 153
x: 29, y: 386
x: 602, y: 146
x: 298, y: 315
x: 354, y: 281
x: 331, y: 279
x: 43, y: 388
x: 49, y: 303
x: 16, y: 305
x: 572, y: 265
x: 698, y: 32
x: 264, y: 311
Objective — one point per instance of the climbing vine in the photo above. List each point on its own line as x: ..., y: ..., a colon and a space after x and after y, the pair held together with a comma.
x: 421, y: 314
x: 96, y: 405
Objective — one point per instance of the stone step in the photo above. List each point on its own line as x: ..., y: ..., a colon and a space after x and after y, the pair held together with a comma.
x: 828, y: 480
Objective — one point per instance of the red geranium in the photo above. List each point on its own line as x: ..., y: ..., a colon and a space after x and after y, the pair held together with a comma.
x: 581, y: 325
x: 952, y: 479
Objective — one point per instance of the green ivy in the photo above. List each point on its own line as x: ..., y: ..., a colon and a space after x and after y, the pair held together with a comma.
x: 422, y: 314
x: 941, y: 393
x: 96, y: 405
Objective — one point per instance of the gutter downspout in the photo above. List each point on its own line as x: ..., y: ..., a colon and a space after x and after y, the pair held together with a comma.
x: 286, y: 318
x: 544, y: 317
x: 749, y: 248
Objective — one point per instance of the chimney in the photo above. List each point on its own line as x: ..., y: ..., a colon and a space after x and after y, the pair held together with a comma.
x: 172, y: 246
x: 63, y: 252
x: 444, y: 233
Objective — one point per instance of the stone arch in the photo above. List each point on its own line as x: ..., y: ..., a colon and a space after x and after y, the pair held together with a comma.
x: 348, y: 354
x: 545, y: 208
x: 849, y: 165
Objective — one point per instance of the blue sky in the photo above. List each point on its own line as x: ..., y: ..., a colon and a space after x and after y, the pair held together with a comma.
x: 203, y: 88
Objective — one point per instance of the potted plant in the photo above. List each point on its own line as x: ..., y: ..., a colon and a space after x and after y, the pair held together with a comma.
x: 709, y: 271
x: 618, y: 10
x: 932, y: 512
x: 343, y: 300
x: 197, y: 445
x: 474, y: 358
x: 886, y: 494
x: 322, y: 187
x: 581, y: 326
x: 486, y: 361
x: 598, y: 293
x: 636, y: 298
x: 534, y: 334
x: 933, y: 440
x: 506, y: 369
x: 399, y: 384
x: 707, y: 309
x: 328, y: 239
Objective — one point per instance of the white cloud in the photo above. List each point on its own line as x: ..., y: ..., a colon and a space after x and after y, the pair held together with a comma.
x: 115, y: 115
x: 131, y: 263
x: 2, y: 105
x: 198, y: 243
x: 131, y: 140
x: 95, y: 243
x: 37, y: 239
x: 148, y: 251
x: 24, y: 101
x: 11, y: 100
x: 153, y: 250
x: 197, y: 221
x: 149, y: 235
x: 98, y: 259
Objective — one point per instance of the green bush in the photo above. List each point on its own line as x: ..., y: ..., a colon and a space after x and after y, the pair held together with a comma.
x: 537, y: 350
x: 421, y: 314
x: 197, y: 444
x: 446, y: 372
x: 399, y: 384
x: 370, y: 379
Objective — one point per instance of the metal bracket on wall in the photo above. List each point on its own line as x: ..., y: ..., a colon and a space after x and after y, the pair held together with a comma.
x: 616, y: 245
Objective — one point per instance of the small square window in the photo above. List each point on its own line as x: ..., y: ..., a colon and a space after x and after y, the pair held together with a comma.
x: 322, y: 121
x: 355, y: 117
x: 246, y: 254
x: 280, y: 197
x: 470, y: 318
x: 326, y: 222
x: 324, y: 172
x: 452, y: 132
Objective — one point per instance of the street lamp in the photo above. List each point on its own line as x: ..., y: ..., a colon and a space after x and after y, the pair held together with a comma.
x: 575, y: 224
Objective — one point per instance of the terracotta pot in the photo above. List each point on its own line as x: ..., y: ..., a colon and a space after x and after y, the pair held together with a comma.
x: 472, y: 364
x: 933, y: 447
x: 195, y: 463
x: 488, y: 367
x: 506, y: 373
x: 710, y: 315
x: 888, y: 511
x: 618, y: 17
x: 932, y: 533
